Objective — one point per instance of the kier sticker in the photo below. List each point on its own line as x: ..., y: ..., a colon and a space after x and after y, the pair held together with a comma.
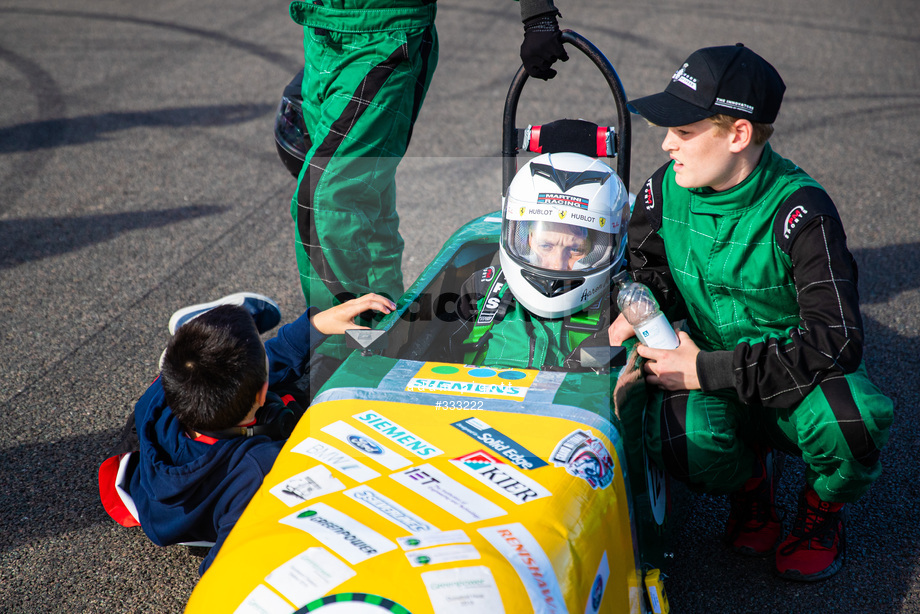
x: 501, y: 477
x: 585, y: 456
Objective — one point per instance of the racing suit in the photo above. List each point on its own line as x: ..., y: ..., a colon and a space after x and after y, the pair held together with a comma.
x: 367, y: 70
x: 763, y: 277
x: 368, y: 67
x: 497, y: 331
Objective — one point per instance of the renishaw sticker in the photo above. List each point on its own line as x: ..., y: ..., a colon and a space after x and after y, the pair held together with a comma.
x: 598, y: 586
x: 584, y: 456
x: 501, y: 477
x: 336, y: 459
x: 398, y: 435
x: 447, y: 493
x: 342, y: 534
x: 304, y: 486
x: 442, y: 554
x: 442, y: 538
x: 463, y: 590
x: 366, y: 445
x: 501, y: 443
x: 389, y: 509
x: 309, y: 575
x: 516, y: 544
x: 263, y: 601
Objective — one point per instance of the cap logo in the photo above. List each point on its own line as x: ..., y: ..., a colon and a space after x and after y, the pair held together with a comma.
x: 602, y: 221
x: 681, y: 76
x: 562, y: 215
x: 734, y: 105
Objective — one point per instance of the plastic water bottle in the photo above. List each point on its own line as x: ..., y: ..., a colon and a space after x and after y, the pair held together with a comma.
x: 639, y: 307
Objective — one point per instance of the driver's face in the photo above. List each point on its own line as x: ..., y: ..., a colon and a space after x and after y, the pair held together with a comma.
x: 558, y: 247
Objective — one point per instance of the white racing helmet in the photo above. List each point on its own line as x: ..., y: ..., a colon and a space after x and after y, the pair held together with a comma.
x: 563, y: 231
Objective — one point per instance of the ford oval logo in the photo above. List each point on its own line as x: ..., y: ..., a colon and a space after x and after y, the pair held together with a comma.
x: 364, y: 444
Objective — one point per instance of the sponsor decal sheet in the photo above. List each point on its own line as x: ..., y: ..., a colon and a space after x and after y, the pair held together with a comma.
x: 382, y: 505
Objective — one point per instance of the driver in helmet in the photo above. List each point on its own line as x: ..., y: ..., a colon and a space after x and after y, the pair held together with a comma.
x: 563, y: 232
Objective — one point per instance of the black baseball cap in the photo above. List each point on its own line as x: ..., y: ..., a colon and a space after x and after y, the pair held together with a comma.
x: 730, y: 80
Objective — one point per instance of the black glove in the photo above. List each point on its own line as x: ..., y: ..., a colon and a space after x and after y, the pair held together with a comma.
x: 542, y: 46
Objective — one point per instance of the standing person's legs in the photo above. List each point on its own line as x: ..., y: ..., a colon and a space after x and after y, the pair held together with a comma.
x: 362, y: 92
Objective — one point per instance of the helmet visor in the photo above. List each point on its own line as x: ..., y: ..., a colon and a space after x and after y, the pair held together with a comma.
x: 557, y: 246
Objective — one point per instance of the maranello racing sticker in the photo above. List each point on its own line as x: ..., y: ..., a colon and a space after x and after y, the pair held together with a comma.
x: 585, y: 456
x: 501, y: 477
x: 342, y: 534
x: 402, y: 437
x: 479, y: 382
x: 516, y: 544
x: 389, y: 509
x: 366, y: 444
x: 447, y: 493
x: 498, y: 442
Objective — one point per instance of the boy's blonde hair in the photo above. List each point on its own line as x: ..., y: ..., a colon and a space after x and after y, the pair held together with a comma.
x: 762, y: 132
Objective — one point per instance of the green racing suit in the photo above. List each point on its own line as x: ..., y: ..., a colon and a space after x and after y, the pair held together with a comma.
x: 763, y: 278
x: 368, y: 64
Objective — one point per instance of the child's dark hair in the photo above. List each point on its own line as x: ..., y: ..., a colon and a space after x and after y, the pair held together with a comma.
x: 213, y: 369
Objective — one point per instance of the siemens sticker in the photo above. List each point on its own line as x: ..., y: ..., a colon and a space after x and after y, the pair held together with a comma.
x: 398, y: 435
x: 418, y: 384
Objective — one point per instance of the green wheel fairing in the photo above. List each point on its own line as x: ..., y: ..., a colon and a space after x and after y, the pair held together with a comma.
x: 382, y: 603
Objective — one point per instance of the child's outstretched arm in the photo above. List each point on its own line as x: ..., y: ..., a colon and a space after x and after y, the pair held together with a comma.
x: 336, y: 320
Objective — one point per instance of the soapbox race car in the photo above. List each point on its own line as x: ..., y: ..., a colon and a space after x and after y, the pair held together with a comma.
x: 415, y: 483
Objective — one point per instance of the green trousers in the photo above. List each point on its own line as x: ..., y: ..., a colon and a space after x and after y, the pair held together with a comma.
x: 707, y: 439
x: 366, y: 74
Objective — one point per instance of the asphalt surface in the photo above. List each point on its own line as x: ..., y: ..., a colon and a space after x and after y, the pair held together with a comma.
x: 138, y: 175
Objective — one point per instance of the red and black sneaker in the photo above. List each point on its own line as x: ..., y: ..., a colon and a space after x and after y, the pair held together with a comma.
x: 816, y: 547
x: 753, y: 528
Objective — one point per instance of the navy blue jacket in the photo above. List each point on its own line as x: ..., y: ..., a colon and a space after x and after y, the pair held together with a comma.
x: 187, y: 490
